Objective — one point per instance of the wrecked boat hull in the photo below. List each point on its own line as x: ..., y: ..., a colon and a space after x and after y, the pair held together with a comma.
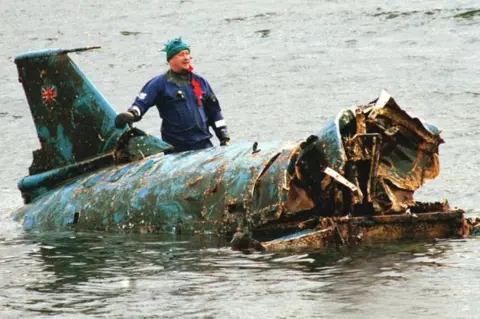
x: 362, y: 167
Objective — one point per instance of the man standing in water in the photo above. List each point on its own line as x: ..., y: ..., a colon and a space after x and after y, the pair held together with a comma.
x: 185, y: 101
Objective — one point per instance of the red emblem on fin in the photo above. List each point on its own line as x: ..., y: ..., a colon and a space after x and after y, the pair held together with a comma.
x: 49, y: 94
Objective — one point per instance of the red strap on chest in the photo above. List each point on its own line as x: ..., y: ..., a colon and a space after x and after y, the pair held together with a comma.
x: 197, y: 90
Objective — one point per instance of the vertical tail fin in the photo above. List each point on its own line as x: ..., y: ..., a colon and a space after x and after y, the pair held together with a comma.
x: 73, y: 120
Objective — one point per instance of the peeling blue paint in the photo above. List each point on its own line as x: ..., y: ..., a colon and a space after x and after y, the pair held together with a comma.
x: 43, y: 133
x: 63, y: 144
x: 143, y: 193
x: 117, y: 174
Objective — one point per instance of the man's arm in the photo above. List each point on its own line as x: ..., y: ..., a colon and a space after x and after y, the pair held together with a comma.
x: 143, y: 101
x: 215, y: 116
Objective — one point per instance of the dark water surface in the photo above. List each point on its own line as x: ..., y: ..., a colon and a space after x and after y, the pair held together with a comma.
x: 281, y: 70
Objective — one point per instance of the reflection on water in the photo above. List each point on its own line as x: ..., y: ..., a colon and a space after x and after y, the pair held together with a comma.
x: 90, y: 273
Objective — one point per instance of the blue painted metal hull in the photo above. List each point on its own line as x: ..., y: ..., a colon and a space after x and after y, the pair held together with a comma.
x: 88, y: 175
x: 214, y: 189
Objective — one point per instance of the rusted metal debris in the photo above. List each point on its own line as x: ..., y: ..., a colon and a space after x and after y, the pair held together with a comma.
x: 334, y: 232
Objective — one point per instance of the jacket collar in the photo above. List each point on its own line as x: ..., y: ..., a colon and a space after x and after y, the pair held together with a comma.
x: 177, y: 78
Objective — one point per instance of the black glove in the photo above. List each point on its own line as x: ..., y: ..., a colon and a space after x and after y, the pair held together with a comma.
x: 125, y: 118
x: 223, y: 136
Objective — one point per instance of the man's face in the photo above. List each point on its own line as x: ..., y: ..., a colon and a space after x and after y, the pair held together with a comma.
x: 181, y: 61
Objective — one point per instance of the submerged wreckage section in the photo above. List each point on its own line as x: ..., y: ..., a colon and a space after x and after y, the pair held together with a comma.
x: 351, y: 182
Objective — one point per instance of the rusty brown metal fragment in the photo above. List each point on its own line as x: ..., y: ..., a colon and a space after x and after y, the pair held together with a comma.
x: 339, y: 231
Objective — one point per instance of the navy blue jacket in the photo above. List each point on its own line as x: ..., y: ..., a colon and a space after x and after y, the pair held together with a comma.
x: 186, y: 111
